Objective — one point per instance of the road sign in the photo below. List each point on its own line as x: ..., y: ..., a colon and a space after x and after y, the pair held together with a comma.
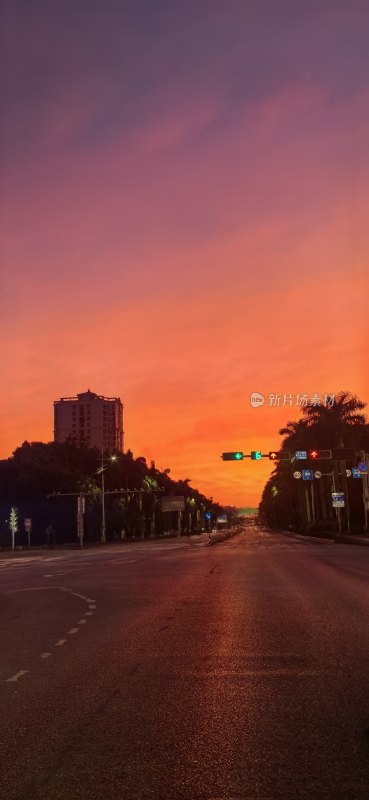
x: 223, y: 519
x: 307, y: 475
x: 207, y: 515
x: 174, y: 503
x: 317, y: 474
x: 348, y: 473
x: 338, y: 500
x: 363, y: 467
x: 297, y: 474
x: 300, y: 455
x: 28, y: 524
x: 356, y: 472
x: 235, y: 456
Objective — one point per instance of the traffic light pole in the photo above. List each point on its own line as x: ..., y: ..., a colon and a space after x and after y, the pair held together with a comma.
x: 365, y: 457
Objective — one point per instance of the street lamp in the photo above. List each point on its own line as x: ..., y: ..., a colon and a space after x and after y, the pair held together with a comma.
x: 102, y: 470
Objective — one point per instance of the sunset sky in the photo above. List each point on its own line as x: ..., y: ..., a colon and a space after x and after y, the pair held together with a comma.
x: 184, y: 219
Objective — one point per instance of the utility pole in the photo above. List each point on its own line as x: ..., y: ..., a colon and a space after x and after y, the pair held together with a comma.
x: 338, y: 510
x: 80, y: 513
x: 103, y: 527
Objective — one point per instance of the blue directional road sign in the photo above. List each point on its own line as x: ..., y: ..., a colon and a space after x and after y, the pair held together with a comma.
x: 356, y: 472
x: 301, y: 455
x: 307, y: 474
x: 207, y: 515
x: 363, y: 467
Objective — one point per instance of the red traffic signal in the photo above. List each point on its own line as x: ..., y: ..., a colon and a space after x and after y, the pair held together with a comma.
x: 319, y: 454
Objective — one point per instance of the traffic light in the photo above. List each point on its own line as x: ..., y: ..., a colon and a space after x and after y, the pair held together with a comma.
x: 237, y: 456
x: 319, y: 454
x: 279, y: 455
x: 255, y: 455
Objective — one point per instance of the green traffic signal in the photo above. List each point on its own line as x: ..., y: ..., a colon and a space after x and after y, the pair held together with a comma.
x: 237, y: 456
x: 255, y: 455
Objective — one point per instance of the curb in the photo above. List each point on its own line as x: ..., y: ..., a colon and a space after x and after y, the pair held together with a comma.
x: 306, y: 536
x: 335, y: 539
x: 361, y: 541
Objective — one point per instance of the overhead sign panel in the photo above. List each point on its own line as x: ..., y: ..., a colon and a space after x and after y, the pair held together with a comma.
x: 172, y: 503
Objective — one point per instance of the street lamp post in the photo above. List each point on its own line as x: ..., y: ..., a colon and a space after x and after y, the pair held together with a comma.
x: 102, y: 470
x: 103, y: 526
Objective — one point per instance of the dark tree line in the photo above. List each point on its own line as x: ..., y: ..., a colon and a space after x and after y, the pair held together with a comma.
x: 39, y: 469
x: 307, y: 506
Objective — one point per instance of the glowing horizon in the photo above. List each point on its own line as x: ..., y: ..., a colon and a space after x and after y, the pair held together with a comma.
x: 183, y: 222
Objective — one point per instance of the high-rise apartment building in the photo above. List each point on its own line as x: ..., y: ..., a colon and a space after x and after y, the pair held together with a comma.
x: 90, y: 418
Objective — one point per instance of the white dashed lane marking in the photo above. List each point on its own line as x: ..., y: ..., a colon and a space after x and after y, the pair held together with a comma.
x: 16, y: 677
x: 71, y: 632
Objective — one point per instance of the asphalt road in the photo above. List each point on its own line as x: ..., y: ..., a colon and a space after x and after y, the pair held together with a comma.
x: 163, y: 671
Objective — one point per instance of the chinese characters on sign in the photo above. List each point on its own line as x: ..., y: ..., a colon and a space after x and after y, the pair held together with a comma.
x: 287, y: 399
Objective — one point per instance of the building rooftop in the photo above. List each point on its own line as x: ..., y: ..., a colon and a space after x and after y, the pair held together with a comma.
x: 87, y: 396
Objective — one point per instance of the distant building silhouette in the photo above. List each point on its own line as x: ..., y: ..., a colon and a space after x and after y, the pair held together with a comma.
x: 90, y: 418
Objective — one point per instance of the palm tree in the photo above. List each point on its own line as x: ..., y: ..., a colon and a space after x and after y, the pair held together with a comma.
x: 338, y: 426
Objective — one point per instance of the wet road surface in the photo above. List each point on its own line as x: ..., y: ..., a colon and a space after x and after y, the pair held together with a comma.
x: 163, y: 671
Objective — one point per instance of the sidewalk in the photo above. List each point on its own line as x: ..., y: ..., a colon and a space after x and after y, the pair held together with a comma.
x: 347, y: 539
x: 333, y: 539
x: 320, y: 539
